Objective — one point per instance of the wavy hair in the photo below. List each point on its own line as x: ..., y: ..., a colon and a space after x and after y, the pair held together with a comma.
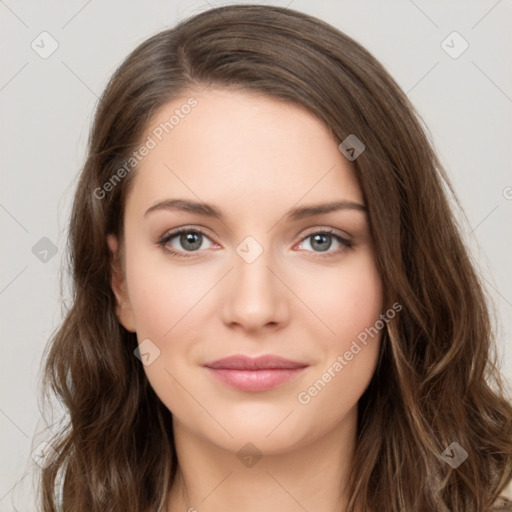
x: 437, y: 380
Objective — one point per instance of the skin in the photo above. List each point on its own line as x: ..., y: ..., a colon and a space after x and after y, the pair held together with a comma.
x: 254, y: 158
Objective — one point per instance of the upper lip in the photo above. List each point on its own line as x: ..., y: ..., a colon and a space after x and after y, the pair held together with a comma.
x: 241, y: 362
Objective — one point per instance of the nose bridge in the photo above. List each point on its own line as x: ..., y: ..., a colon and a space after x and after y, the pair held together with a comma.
x: 252, y: 274
x: 256, y: 296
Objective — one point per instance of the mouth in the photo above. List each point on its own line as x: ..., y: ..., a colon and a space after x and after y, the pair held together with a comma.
x: 255, y: 374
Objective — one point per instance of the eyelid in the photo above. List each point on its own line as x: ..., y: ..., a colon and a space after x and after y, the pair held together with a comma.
x: 326, y: 229
x: 183, y: 229
x: 343, y: 237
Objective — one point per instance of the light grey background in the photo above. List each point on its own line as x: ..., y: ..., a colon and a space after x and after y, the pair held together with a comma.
x: 46, y: 109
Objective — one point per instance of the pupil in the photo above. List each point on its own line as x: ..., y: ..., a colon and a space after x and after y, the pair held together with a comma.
x: 193, y: 239
x: 318, y: 239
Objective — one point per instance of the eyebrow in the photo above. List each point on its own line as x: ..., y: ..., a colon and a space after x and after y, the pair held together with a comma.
x: 292, y: 214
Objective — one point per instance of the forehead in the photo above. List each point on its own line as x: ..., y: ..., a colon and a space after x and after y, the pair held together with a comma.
x: 236, y: 148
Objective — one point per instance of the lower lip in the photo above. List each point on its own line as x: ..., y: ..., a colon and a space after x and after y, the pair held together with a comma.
x: 255, y: 380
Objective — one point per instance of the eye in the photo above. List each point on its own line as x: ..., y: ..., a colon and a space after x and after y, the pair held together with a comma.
x: 190, y: 240
x: 322, y: 241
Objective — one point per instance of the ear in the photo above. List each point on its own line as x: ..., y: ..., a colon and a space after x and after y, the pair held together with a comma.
x: 124, y: 311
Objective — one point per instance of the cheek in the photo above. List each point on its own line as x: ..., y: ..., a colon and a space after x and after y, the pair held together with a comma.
x: 167, y: 298
x: 346, y: 301
x: 173, y: 304
x: 164, y: 296
x: 349, y: 304
x: 361, y: 300
x: 165, y: 301
x: 350, y: 355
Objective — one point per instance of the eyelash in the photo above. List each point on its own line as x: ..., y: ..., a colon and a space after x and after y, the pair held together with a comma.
x: 165, y: 239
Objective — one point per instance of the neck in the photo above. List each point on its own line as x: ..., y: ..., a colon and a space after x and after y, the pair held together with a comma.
x: 312, y: 476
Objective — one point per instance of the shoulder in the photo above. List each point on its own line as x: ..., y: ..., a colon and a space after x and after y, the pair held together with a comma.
x: 502, y: 504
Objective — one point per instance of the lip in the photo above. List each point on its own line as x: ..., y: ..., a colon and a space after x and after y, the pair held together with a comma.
x: 255, y: 374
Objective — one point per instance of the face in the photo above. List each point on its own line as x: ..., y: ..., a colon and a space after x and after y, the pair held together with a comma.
x: 256, y: 271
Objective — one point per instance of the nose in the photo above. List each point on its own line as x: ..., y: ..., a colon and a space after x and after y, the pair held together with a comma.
x: 255, y: 297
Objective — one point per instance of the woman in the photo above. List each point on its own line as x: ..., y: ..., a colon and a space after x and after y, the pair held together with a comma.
x: 272, y: 307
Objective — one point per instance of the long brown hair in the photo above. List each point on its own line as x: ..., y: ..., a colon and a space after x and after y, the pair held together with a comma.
x: 437, y: 380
